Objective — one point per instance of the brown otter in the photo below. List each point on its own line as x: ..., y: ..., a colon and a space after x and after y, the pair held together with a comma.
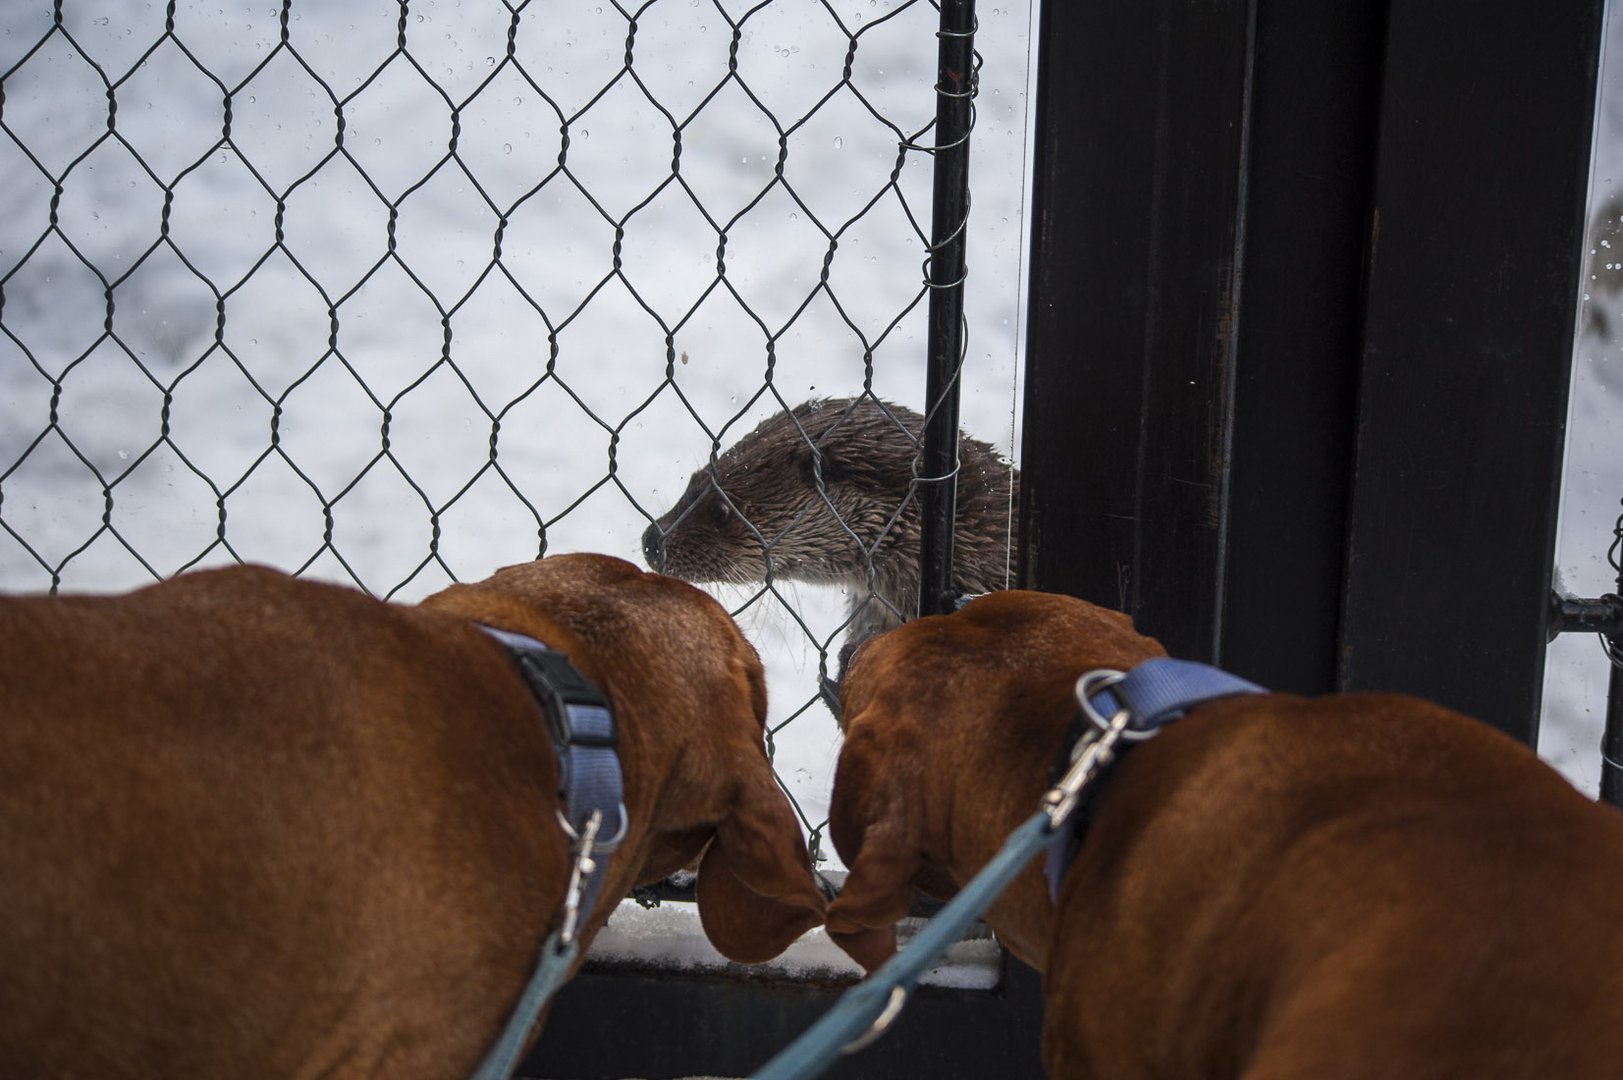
x: 822, y: 494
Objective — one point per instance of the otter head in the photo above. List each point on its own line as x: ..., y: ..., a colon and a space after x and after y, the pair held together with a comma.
x: 811, y: 494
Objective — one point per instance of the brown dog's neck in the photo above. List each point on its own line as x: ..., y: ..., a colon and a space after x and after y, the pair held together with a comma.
x: 943, y: 760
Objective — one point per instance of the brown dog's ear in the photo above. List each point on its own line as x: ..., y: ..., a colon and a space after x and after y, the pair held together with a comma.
x: 756, y: 890
x: 876, y: 833
x: 878, y: 891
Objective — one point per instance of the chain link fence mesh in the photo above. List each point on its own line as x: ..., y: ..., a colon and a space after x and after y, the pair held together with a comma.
x: 394, y: 293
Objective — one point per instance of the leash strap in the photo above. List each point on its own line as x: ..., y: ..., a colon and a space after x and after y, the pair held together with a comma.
x: 594, y: 815
x: 550, y: 972
x: 1123, y: 708
x: 859, y: 1007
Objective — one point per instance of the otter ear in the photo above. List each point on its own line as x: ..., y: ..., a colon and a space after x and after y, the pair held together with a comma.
x: 756, y: 890
x: 875, y: 832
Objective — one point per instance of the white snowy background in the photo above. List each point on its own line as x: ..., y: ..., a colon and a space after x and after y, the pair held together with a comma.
x: 247, y: 342
x: 315, y: 337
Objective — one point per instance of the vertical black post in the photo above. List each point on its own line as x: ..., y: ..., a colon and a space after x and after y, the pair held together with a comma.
x: 1611, y: 757
x: 1144, y: 128
x: 955, y: 87
x: 1611, y: 761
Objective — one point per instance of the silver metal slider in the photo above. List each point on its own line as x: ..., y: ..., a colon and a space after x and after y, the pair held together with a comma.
x: 881, y: 1023
x: 1093, y: 751
x: 584, y: 867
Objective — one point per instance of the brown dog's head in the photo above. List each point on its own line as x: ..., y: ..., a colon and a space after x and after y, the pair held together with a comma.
x: 689, y: 697
x: 951, y: 725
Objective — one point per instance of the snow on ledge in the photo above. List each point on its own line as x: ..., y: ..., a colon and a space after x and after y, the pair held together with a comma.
x: 669, y: 938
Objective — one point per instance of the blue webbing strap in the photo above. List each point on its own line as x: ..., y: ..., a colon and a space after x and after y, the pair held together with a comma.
x: 1162, y: 689
x: 550, y: 971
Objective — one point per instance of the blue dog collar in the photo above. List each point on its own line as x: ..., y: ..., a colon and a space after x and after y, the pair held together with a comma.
x: 1152, y: 694
x: 582, y: 729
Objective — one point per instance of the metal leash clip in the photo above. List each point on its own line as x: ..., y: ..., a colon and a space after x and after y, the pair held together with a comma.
x: 881, y: 1023
x: 584, y: 867
x: 1093, y: 751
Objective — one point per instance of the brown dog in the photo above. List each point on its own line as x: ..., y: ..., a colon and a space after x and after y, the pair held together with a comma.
x: 255, y: 826
x: 1348, y: 886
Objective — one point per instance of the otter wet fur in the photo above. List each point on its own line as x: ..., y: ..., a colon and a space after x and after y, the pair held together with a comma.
x: 820, y: 494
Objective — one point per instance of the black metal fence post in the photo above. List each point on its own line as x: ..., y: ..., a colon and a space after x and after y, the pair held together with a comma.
x: 1611, y: 774
x: 955, y: 90
x: 1604, y: 618
x: 1611, y: 767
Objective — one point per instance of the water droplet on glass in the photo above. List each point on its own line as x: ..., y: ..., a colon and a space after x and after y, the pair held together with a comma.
x: 839, y: 143
x: 507, y: 148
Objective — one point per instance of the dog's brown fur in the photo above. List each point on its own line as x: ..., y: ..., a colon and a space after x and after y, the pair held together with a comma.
x: 251, y: 825
x: 1347, y: 886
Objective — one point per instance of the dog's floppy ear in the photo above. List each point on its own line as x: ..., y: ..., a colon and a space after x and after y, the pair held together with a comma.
x: 756, y: 890
x: 876, y: 833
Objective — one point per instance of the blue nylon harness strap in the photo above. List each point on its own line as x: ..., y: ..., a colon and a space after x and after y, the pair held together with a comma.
x: 1152, y: 694
x: 590, y: 784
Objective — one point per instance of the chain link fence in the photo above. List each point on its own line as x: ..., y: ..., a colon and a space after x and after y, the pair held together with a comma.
x: 394, y: 293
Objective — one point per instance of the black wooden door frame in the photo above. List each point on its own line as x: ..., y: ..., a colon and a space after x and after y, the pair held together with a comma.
x: 1301, y: 333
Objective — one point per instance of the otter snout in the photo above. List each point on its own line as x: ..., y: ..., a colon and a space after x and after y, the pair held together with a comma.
x: 653, y: 547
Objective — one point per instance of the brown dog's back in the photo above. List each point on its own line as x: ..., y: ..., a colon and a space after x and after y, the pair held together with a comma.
x: 1351, y: 886
x: 1273, y: 886
x: 182, y: 741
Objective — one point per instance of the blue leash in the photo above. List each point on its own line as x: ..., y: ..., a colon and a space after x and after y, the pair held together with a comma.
x: 1117, y: 707
x: 865, y: 1003
x: 549, y: 974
